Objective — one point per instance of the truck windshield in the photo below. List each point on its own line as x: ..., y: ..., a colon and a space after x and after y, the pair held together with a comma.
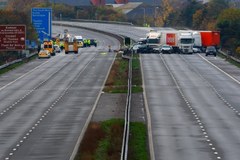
x: 153, y: 40
x: 47, y: 46
x: 186, y: 41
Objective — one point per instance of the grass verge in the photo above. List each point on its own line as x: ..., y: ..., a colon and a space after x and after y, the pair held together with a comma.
x: 11, y: 67
x: 117, y: 81
x: 103, y: 141
x: 229, y: 60
x: 16, y: 65
x: 136, y: 75
x: 138, y: 142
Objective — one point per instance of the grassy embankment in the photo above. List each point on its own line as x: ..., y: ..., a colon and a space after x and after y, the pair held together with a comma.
x: 103, y: 140
x: 16, y: 65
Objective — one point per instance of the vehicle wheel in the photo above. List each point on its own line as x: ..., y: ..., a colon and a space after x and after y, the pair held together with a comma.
x: 66, y: 52
x: 206, y: 54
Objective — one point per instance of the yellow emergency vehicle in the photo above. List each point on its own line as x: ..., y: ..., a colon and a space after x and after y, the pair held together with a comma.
x: 71, y: 45
x: 48, y: 45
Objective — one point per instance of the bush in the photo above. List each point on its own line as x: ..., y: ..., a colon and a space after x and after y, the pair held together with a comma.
x: 238, y: 51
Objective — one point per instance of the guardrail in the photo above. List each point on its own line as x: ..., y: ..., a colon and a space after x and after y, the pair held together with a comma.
x: 16, y: 61
x: 118, y: 37
x: 227, y: 55
x: 10, y: 63
x: 125, y: 140
x: 100, y: 21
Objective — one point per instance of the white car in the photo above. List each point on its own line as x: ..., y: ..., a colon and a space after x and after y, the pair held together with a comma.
x: 166, y: 49
x: 135, y: 47
x: 196, y: 50
x: 57, y: 48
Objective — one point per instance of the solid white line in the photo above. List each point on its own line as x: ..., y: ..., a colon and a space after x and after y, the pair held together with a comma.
x: 148, y: 115
x: 77, y: 145
x: 234, y: 79
x: 23, y: 75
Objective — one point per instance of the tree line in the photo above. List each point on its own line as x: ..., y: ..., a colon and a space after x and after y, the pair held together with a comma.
x: 218, y: 15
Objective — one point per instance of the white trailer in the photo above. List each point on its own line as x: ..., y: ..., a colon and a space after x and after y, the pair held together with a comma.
x: 170, y: 38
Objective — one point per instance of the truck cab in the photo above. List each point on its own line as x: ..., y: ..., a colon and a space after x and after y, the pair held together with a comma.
x: 185, y: 42
x: 153, y: 38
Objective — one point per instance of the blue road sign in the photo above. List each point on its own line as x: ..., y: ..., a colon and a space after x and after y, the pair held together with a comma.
x: 42, y: 21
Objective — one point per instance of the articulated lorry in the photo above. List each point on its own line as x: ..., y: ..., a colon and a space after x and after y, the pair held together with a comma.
x: 181, y: 41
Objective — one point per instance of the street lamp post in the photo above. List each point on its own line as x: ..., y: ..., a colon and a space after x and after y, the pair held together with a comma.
x: 155, y: 15
x: 144, y: 16
x: 60, y: 17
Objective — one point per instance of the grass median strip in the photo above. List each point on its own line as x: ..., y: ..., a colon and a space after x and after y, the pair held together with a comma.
x: 117, y: 81
x: 103, y: 141
x: 136, y: 75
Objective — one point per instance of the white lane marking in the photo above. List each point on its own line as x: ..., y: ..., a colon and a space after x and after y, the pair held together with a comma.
x: 234, y: 79
x: 23, y: 75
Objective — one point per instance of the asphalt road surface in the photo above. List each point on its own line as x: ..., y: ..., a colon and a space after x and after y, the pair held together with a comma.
x: 192, y: 103
x: 46, y: 104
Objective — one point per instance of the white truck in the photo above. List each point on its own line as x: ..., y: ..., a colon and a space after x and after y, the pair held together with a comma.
x: 185, y: 41
x: 153, y: 37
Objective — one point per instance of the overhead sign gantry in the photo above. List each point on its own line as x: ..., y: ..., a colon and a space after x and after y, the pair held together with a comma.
x: 42, y: 21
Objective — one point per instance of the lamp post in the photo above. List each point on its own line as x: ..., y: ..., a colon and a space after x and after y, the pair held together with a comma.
x: 144, y: 16
x: 155, y: 15
x: 60, y: 16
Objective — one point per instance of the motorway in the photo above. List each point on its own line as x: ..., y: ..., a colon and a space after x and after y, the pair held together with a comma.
x: 192, y: 103
x: 47, y: 104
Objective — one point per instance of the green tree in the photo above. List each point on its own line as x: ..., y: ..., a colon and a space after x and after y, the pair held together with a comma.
x: 16, y: 17
x: 186, y: 15
x: 109, y: 14
x: 228, y: 23
x: 206, y: 16
x: 166, y: 9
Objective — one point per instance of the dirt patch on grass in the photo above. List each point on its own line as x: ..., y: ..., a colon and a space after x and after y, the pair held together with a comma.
x: 102, y: 141
x: 118, y: 76
x: 88, y: 145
